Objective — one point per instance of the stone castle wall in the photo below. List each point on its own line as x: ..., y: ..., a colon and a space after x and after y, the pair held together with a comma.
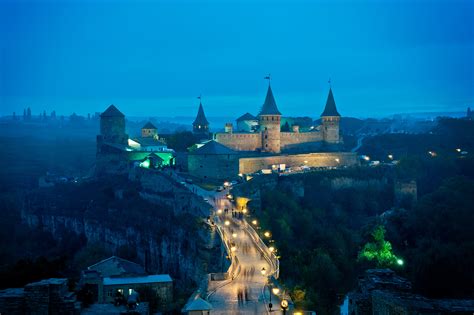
x: 255, y: 164
x: 291, y: 138
x: 240, y: 141
x: 253, y: 141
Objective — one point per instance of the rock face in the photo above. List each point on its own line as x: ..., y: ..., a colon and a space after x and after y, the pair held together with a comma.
x: 176, y: 243
x: 381, y: 291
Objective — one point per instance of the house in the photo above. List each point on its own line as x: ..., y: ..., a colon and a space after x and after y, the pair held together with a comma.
x: 117, y: 276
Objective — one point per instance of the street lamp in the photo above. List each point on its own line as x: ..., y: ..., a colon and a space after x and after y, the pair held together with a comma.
x: 275, y: 291
x: 267, y: 234
x: 219, y: 211
x: 284, y: 305
x: 254, y: 222
x: 271, y: 249
x: 227, y: 222
x: 234, y: 235
x: 400, y: 262
x: 390, y: 157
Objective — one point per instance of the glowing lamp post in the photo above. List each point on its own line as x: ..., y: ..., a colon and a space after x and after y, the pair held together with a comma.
x: 254, y: 222
x: 284, y: 305
x: 267, y: 234
x: 227, y: 222
x: 275, y: 291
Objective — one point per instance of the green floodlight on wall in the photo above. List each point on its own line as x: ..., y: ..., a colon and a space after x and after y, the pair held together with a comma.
x: 145, y: 164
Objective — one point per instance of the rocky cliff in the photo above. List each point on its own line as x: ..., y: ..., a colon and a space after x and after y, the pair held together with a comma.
x: 159, y: 219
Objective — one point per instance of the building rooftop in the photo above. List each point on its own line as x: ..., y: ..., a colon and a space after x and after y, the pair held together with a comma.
x: 137, y: 280
x: 149, y: 125
x: 213, y: 147
x: 155, y: 156
x: 116, y: 266
x: 149, y: 141
x: 201, y: 117
x: 197, y: 304
x: 112, y: 111
x: 246, y: 116
x: 269, y: 106
x: 330, y: 108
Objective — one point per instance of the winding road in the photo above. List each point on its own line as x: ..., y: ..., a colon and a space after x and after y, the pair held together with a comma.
x: 247, y: 293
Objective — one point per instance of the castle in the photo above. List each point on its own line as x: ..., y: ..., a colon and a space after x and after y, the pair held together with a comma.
x: 116, y: 151
x: 260, y: 143
x: 265, y: 134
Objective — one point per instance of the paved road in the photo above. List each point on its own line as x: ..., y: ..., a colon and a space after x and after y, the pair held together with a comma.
x: 246, y: 293
x: 249, y: 283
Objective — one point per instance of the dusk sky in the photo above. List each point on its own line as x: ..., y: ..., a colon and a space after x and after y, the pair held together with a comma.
x: 154, y: 58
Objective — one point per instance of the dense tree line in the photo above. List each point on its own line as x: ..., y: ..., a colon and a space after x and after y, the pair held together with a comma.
x: 323, y: 235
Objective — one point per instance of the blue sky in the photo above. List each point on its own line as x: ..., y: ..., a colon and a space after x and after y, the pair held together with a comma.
x: 153, y: 58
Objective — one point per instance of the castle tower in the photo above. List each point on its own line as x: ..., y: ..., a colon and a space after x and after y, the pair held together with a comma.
x: 200, y: 124
x: 112, y: 126
x: 149, y: 131
x: 330, y: 119
x: 269, y: 121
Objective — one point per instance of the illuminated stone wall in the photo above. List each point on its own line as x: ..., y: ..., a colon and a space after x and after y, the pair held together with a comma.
x: 291, y: 138
x: 240, y: 141
x: 255, y: 164
x: 253, y: 141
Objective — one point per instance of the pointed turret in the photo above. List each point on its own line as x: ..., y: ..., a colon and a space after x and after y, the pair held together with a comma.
x: 112, y: 126
x: 269, y: 106
x: 330, y: 119
x: 269, y: 121
x: 330, y: 109
x: 200, y: 124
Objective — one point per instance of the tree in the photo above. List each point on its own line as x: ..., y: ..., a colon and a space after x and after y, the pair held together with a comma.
x: 286, y: 127
x: 379, y: 250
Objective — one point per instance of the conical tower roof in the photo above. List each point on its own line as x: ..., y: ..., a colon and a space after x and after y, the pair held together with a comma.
x: 330, y: 109
x: 269, y: 106
x: 112, y: 111
x: 149, y: 125
x: 201, y: 117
